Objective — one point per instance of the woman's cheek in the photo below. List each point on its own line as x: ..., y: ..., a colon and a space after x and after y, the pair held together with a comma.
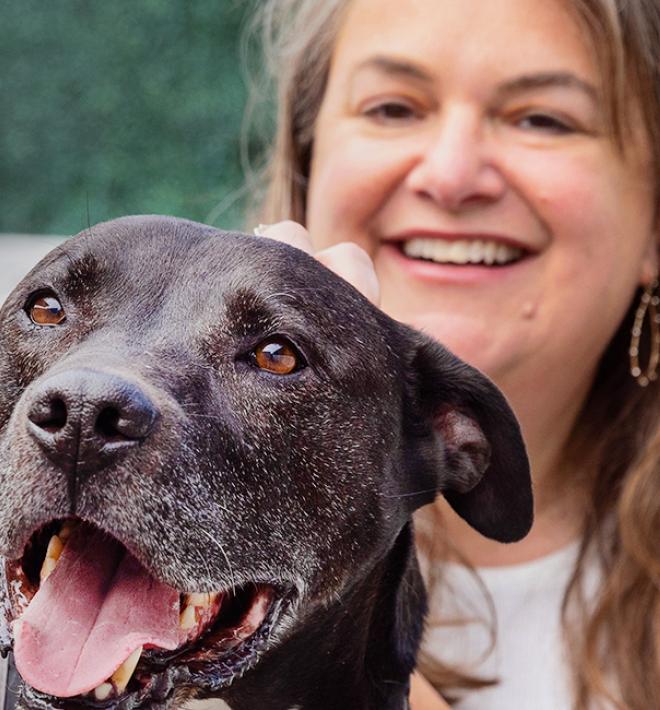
x: 351, y: 180
x: 573, y: 199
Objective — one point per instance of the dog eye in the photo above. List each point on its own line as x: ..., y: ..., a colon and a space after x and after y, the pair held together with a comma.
x: 278, y: 356
x: 45, y: 309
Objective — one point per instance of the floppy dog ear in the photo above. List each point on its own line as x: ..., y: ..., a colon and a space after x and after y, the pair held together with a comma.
x: 463, y: 440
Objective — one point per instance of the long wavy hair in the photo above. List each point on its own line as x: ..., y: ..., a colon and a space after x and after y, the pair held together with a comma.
x: 614, y: 640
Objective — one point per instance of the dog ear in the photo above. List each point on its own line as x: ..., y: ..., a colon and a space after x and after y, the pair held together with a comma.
x: 463, y: 440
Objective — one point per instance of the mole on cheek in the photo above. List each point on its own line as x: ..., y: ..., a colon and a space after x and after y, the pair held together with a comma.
x: 529, y: 310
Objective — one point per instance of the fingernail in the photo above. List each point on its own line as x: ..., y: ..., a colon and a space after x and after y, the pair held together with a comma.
x: 260, y: 229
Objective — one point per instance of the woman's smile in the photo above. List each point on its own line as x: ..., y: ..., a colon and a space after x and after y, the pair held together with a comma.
x: 434, y: 254
x: 481, y: 178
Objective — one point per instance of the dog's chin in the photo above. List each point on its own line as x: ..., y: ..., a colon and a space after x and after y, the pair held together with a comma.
x: 73, y: 622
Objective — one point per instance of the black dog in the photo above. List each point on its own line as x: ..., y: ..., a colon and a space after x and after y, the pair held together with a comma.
x: 210, y: 451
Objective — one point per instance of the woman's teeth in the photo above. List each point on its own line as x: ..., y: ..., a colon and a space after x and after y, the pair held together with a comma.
x: 461, y: 251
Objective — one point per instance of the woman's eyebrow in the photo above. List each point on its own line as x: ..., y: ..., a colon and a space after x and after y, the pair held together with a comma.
x: 546, y: 80
x: 510, y: 87
x: 394, y: 67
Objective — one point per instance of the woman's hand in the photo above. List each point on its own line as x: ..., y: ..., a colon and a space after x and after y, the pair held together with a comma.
x: 347, y: 260
x: 423, y: 695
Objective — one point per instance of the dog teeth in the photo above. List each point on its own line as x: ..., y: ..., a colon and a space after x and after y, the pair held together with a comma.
x: 188, y: 618
x: 193, y: 603
x: 104, y: 691
x: 197, y: 599
x: 118, y: 682
x: 125, y: 672
x: 203, y: 599
x: 65, y: 533
x: 46, y: 568
x: 55, y: 547
x: 54, y: 550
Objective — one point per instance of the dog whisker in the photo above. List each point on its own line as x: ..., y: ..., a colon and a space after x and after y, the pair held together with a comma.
x: 219, y: 545
x: 282, y: 294
x: 222, y: 507
x: 202, y: 365
x: 409, y: 495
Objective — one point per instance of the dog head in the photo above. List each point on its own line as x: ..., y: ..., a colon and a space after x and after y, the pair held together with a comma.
x: 213, y: 435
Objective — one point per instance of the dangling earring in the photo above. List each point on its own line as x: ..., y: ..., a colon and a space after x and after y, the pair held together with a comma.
x: 648, y: 305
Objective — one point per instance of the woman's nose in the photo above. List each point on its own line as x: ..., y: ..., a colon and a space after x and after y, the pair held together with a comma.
x: 457, y: 167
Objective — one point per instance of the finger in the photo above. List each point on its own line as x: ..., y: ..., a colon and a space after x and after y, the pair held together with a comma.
x: 354, y: 265
x: 289, y: 232
x: 346, y: 259
x: 423, y: 695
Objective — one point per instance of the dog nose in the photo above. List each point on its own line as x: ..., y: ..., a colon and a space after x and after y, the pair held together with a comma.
x: 86, y: 418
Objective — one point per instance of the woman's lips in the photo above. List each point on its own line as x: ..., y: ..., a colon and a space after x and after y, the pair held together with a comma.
x: 513, y: 259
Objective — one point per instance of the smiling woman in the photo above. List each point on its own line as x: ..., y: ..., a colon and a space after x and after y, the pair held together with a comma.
x: 499, y: 163
x: 447, y: 143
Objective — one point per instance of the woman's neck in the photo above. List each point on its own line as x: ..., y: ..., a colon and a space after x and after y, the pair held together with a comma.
x: 554, y: 527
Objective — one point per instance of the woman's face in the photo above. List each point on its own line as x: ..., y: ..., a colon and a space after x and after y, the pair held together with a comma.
x: 463, y: 144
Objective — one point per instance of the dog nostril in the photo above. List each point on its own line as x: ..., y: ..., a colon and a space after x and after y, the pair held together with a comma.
x: 51, y: 418
x: 130, y: 422
x: 107, y: 424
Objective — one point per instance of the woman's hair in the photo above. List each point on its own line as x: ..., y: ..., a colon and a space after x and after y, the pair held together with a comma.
x: 296, y: 38
x: 614, y: 639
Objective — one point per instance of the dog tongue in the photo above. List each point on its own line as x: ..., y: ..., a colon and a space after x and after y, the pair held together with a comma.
x: 96, y: 607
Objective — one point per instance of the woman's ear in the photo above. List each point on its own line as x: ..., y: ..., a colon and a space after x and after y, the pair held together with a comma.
x: 463, y: 440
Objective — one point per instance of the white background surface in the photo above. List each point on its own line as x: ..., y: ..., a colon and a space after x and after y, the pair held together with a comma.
x: 18, y: 254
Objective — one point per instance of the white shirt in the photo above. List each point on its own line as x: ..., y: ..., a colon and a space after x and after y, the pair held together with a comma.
x: 529, y: 657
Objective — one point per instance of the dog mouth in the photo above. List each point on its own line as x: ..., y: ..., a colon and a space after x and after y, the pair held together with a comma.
x: 93, y: 626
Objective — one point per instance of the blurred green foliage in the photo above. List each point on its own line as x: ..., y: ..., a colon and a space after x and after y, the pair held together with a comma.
x: 111, y: 107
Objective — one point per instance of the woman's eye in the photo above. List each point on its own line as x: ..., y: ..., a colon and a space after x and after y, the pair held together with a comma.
x: 45, y: 309
x: 546, y: 123
x: 391, y: 111
x: 277, y: 355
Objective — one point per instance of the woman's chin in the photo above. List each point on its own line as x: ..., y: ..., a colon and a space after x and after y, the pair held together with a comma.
x: 469, y: 337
